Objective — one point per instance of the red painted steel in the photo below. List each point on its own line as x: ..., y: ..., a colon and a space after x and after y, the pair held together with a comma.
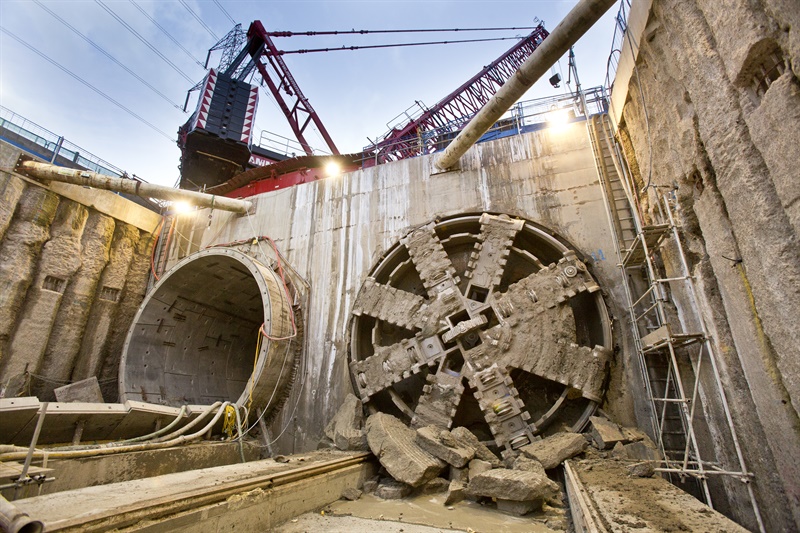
x: 298, y: 110
x: 438, y: 124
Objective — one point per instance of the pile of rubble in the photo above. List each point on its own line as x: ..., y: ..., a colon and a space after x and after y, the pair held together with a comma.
x: 435, y: 460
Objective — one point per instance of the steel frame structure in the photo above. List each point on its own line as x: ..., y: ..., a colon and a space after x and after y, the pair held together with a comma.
x: 260, y: 53
x: 671, y: 360
x: 437, y: 124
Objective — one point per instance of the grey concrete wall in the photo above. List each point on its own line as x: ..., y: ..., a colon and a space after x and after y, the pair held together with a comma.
x: 700, y: 124
x: 334, y: 231
x: 73, y: 268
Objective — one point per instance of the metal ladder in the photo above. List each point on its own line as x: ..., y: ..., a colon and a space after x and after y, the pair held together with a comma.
x: 614, y: 189
x: 671, y: 360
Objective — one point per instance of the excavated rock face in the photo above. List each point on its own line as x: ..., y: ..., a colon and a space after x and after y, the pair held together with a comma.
x: 482, y: 321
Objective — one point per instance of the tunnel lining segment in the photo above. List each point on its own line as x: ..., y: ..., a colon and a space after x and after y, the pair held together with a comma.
x: 194, y: 338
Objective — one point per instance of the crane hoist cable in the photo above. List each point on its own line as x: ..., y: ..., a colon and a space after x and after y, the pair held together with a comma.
x: 84, y: 82
x: 367, y: 32
x: 103, y: 51
x: 167, y: 33
x: 143, y: 40
x: 394, y: 45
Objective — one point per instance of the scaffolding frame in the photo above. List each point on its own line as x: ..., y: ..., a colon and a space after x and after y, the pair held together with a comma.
x: 674, y: 393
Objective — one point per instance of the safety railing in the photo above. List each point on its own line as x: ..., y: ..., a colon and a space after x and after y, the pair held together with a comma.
x: 51, y: 146
x: 524, y: 116
x: 620, y: 27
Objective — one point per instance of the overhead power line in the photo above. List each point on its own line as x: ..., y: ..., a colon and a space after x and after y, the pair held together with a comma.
x: 225, y: 12
x: 366, y: 32
x: 168, y: 34
x: 145, y: 41
x: 86, y: 83
x: 198, y: 19
x: 105, y: 53
x: 396, y: 45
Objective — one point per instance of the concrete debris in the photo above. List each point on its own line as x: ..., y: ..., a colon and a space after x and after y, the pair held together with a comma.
x: 514, y: 485
x: 643, y: 469
x: 605, y: 433
x: 556, y: 501
x: 634, y: 434
x: 435, y: 486
x: 87, y: 390
x: 428, y: 439
x: 371, y: 484
x: 555, y: 449
x: 456, y: 492
x: 345, y: 428
x: 393, y: 443
x: 351, y: 440
x: 390, y: 489
x: 351, y: 494
x: 516, y: 508
x: 643, y: 450
x: 478, y: 466
x: 528, y: 465
x: 325, y: 443
x: 461, y: 437
x: 459, y: 474
x: 618, y: 451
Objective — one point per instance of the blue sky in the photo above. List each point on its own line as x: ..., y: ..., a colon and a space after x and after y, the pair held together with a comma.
x: 355, y: 93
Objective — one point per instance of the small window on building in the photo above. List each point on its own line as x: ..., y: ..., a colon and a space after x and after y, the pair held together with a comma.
x: 52, y: 283
x: 109, y: 293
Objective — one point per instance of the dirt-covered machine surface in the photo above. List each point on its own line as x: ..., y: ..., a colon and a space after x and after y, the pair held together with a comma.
x: 483, y: 321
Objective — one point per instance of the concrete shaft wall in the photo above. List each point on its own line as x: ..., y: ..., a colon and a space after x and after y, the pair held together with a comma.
x: 334, y: 231
x: 72, y: 275
x: 713, y: 109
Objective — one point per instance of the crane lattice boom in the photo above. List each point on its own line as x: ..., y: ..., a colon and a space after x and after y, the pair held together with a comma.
x: 437, y: 125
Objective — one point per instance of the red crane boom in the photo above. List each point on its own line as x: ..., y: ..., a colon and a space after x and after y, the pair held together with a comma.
x: 280, y: 81
x: 438, y: 125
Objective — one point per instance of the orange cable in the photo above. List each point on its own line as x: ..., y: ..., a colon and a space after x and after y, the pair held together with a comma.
x: 288, y: 296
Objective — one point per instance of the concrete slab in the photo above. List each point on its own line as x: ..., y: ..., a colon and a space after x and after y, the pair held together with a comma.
x: 78, y: 473
x: 61, y: 419
x: 254, y: 496
x: 102, y: 421
x: 86, y: 390
x: 142, y: 417
x: 602, y: 492
x: 16, y: 414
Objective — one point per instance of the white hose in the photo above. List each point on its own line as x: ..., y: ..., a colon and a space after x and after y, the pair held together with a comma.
x: 117, y: 444
x: 108, y: 450
x: 160, y: 431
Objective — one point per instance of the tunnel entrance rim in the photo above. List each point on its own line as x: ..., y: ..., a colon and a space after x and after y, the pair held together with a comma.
x: 458, y: 234
x: 271, y: 373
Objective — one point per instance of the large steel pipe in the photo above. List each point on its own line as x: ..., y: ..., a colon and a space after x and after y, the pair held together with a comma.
x: 575, y: 24
x: 12, y: 520
x: 46, y: 171
x: 195, y: 338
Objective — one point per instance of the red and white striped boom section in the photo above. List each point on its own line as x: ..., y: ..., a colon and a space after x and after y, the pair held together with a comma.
x: 439, y: 124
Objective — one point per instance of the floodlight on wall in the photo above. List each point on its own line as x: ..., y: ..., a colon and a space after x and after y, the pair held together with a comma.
x: 333, y: 169
x: 181, y: 207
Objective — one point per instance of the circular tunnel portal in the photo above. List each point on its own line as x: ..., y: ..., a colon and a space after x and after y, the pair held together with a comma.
x: 194, y: 338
